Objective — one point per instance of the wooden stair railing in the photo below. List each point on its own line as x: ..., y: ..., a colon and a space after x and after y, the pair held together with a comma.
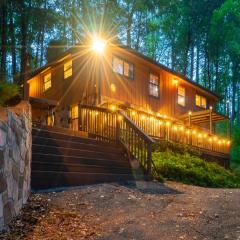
x: 116, y: 126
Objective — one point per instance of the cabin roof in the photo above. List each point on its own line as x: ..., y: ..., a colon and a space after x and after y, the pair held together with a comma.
x: 136, y: 53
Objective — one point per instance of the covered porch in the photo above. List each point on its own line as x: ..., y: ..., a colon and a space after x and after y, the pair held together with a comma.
x: 205, y: 119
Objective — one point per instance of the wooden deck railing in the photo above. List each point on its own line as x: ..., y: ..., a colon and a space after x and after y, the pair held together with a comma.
x: 117, y: 127
x: 162, y: 128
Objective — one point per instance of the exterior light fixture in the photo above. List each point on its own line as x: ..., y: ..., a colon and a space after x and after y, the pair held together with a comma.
x: 175, y: 81
x: 98, y: 45
x: 113, y: 108
x: 189, y: 113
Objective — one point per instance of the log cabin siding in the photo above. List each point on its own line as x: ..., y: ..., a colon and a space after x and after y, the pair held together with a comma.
x: 136, y: 91
x: 94, y: 75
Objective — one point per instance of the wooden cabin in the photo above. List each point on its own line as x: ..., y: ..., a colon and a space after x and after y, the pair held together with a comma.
x: 122, y: 78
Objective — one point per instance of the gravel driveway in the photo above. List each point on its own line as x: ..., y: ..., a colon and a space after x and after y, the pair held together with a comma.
x: 137, y: 210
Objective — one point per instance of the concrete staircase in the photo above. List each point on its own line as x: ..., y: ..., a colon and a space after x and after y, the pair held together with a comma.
x: 60, y: 159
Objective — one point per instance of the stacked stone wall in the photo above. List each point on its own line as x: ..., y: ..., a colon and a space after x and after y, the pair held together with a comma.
x: 15, y: 160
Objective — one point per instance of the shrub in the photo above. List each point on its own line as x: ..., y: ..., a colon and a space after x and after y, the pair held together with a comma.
x: 7, y: 92
x: 235, y: 150
x: 193, y: 170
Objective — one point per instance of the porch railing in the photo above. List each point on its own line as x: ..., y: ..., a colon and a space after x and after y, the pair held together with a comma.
x: 117, y: 127
x: 162, y: 128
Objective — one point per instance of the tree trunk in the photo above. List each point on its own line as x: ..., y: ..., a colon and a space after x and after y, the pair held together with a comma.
x: 192, y: 61
x: 73, y: 22
x: 234, y: 91
x: 197, y: 64
x: 3, y: 70
x: 24, y: 26
x: 13, y: 42
x: 238, y: 112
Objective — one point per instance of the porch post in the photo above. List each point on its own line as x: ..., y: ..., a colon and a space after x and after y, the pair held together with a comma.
x: 210, y: 119
x: 189, y: 118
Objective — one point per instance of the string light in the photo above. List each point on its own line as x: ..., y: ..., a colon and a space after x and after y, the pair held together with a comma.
x: 205, y: 135
x: 194, y: 131
x: 168, y: 123
x: 175, y: 128
x: 133, y: 113
x: 210, y: 139
x: 188, y: 131
x: 215, y: 139
x: 120, y: 118
x: 199, y: 135
x: 143, y: 117
x: 151, y: 118
x: 113, y: 108
x: 181, y: 128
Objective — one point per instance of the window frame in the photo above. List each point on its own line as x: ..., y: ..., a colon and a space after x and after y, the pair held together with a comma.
x: 44, y: 75
x: 183, y: 96
x: 124, y: 61
x: 201, y: 97
x: 153, y: 84
x: 65, y: 70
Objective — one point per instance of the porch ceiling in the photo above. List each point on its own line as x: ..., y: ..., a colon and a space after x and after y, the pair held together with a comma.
x: 43, y: 102
x: 203, y: 117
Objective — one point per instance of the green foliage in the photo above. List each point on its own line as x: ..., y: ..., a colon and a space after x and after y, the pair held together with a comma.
x: 235, y: 149
x: 193, y: 170
x: 7, y: 91
x: 175, y: 147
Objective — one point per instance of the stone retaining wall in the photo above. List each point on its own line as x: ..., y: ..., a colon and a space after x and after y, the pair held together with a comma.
x: 15, y: 160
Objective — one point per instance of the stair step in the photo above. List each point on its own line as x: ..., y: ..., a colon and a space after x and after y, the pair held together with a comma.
x: 48, y: 158
x: 51, y: 179
x: 63, y: 136
x: 76, y: 145
x: 81, y: 168
x: 36, y: 148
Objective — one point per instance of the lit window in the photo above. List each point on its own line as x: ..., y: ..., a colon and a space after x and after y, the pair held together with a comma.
x: 122, y: 67
x: 47, y: 81
x: 50, y: 120
x: 68, y: 69
x: 181, y: 96
x: 118, y: 65
x: 200, y: 101
x: 154, y: 85
x: 74, y: 111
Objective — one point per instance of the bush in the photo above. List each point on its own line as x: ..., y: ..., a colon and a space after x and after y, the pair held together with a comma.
x: 175, y: 147
x: 193, y: 170
x: 235, y: 150
x: 7, y: 92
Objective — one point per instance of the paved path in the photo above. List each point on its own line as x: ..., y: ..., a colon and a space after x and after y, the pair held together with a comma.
x: 135, y: 211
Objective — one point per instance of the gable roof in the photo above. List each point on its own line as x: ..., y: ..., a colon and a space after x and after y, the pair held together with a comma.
x: 72, y: 50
